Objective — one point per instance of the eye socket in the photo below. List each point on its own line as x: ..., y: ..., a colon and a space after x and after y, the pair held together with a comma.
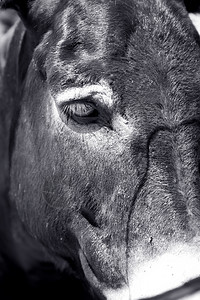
x: 81, y: 112
x: 86, y: 105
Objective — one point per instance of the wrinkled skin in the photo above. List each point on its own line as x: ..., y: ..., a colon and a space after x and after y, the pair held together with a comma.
x: 115, y: 192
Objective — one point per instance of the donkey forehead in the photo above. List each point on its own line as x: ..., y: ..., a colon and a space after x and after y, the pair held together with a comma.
x: 85, y: 30
x: 137, y: 46
x: 115, y: 20
x: 93, y: 24
x: 83, y: 37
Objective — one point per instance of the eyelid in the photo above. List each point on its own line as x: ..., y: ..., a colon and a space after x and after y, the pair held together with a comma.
x: 102, y: 93
x: 77, y: 108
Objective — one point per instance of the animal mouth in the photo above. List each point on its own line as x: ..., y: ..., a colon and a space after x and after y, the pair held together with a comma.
x: 173, y: 275
x: 88, y: 270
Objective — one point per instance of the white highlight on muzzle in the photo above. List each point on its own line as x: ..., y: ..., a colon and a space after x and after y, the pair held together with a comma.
x: 159, y: 275
x: 196, y: 296
x: 164, y: 273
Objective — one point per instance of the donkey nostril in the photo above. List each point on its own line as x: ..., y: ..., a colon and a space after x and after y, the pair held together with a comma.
x: 89, y: 216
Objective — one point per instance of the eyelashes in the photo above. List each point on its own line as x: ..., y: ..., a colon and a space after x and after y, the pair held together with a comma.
x: 81, y: 112
x: 89, y: 104
x: 79, y: 109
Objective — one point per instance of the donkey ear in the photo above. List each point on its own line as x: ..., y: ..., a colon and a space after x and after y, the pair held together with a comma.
x: 36, y: 14
x: 21, y: 6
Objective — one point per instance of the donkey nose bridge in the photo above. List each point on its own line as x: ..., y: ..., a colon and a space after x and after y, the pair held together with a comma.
x: 176, y: 153
x: 189, y: 181
x: 170, y: 189
x: 169, y: 192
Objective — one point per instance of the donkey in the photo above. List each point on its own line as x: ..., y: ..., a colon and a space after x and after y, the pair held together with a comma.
x: 100, y: 146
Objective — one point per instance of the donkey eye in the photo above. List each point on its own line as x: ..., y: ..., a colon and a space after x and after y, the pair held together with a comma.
x: 85, y: 105
x: 81, y: 109
x: 81, y: 112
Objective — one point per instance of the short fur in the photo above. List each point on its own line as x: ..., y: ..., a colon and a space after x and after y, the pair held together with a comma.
x: 125, y: 185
